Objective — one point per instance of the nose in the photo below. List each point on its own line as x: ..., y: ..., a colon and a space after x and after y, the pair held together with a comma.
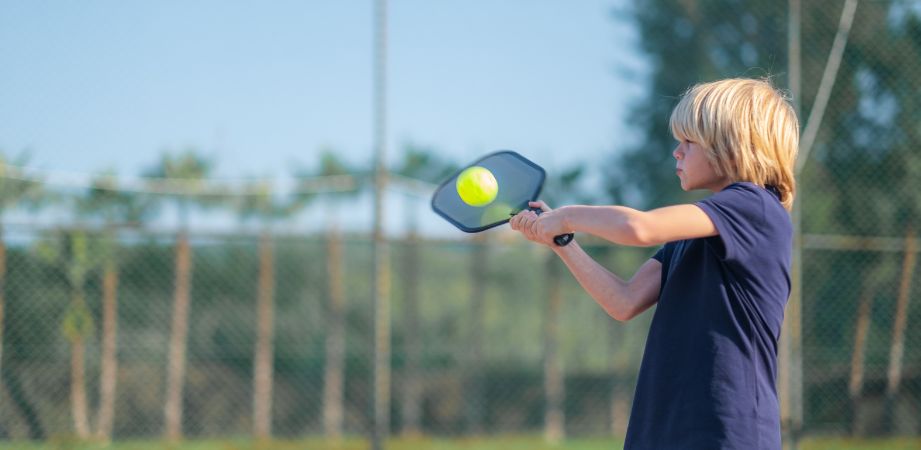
x: 677, y: 153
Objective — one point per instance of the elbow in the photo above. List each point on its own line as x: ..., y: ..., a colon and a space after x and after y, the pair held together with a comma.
x: 622, y: 314
x: 627, y: 305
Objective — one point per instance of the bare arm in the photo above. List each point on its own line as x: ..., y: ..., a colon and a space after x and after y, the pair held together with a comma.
x: 628, y: 226
x: 622, y: 300
x: 618, y: 224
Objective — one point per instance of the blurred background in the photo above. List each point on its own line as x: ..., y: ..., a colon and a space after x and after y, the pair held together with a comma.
x: 216, y: 229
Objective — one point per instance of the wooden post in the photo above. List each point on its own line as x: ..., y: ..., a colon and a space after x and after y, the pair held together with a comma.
x: 334, y: 370
x: 897, y: 350
x: 861, y: 330
x: 264, y: 356
x: 554, y: 384
x: 475, y: 401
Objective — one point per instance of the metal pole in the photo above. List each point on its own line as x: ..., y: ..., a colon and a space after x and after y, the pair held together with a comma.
x: 794, y: 409
x: 795, y: 333
x: 829, y: 75
x: 381, y: 255
x: 794, y: 63
x: 790, y: 345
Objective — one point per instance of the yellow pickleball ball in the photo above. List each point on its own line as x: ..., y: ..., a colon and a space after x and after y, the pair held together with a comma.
x: 477, y: 186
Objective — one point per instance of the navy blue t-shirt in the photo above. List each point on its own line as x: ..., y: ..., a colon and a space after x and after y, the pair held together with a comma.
x: 707, y: 380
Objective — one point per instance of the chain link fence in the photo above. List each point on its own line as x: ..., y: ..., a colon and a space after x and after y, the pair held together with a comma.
x: 473, y: 328
x: 134, y: 333
x: 861, y: 346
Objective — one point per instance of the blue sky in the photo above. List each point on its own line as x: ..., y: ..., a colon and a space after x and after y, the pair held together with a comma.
x: 262, y: 87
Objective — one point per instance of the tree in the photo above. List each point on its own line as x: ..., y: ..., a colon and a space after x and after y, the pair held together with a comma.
x: 858, y: 179
x: 873, y: 158
x: 183, y: 177
x: 257, y: 201
x: 115, y: 208
x: 419, y: 164
x: 336, y: 178
x: 686, y: 43
x: 560, y: 188
x: 471, y: 358
x: 79, y: 254
x: 16, y: 189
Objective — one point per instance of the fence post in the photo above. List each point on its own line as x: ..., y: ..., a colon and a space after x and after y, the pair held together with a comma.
x: 894, y: 375
x: 381, y: 276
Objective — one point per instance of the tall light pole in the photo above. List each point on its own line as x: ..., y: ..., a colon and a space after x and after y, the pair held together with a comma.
x: 380, y: 294
x: 789, y: 383
x: 793, y: 411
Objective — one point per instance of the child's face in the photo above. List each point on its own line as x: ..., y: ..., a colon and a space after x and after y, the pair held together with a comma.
x: 694, y: 170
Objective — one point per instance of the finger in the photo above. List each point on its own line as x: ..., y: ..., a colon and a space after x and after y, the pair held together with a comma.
x: 515, y: 222
x: 540, y: 204
x: 524, y: 213
x: 535, y: 234
x: 520, y: 222
x: 527, y: 225
x: 534, y: 227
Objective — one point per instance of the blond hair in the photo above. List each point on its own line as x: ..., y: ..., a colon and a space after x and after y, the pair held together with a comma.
x: 748, y: 129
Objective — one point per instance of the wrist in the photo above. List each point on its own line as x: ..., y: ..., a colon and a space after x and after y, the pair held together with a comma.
x: 568, y: 219
x: 566, y: 249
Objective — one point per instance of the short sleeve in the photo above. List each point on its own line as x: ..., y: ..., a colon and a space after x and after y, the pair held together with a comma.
x: 737, y: 212
x: 660, y: 255
x: 664, y: 256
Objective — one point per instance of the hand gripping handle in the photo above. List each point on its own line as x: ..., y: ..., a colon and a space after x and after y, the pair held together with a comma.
x: 561, y: 240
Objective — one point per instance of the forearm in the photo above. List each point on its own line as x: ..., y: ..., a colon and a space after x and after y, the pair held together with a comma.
x: 618, y: 224
x: 608, y: 290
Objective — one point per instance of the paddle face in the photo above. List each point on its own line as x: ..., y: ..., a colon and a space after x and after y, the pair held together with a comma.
x: 519, y: 181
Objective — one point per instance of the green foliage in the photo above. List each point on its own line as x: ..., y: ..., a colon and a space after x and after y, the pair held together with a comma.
x: 333, y: 180
x: 688, y: 43
x: 15, y: 187
x: 78, y: 322
x: 183, y: 177
x: 34, y: 308
x: 257, y: 201
x: 866, y: 153
x: 76, y: 251
x: 332, y: 165
x: 76, y: 254
x: 79, y: 262
x: 112, y: 205
x: 563, y: 187
x: 424, y: 163
x: 222, y: 326
x: 187, y: 165
x: 860, y: 178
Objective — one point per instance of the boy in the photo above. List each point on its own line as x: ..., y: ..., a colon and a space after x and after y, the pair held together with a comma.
x: 721, y: 281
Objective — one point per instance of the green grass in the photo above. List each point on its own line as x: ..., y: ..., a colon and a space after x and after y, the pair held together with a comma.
x: 861, y: 444
x: 481, y: 443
